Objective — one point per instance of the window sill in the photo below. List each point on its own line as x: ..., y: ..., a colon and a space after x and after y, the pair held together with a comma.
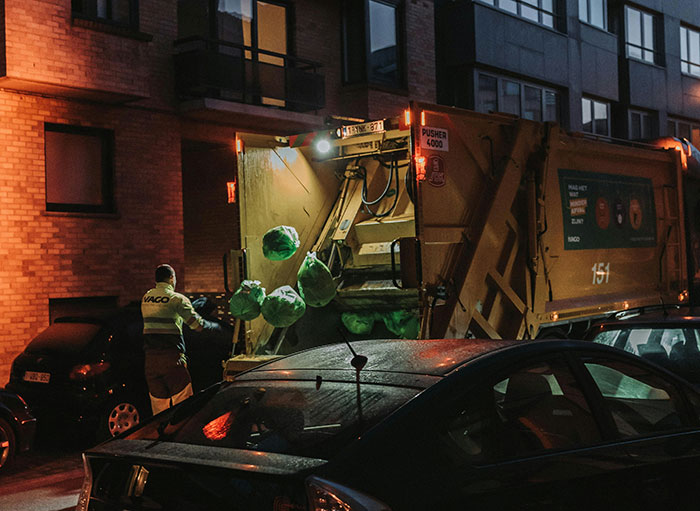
x: 79, y: 214
x: 398, y: 91
x: 108, y: 28
x: 521, y: 18
x: 641, y: 61
x: 596, y: 27
x: 688, y: 75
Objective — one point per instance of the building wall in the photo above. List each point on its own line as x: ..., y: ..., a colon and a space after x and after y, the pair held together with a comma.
x: 60, y: 255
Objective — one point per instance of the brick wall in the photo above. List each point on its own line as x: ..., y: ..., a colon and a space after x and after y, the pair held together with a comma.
x: 58, y: 255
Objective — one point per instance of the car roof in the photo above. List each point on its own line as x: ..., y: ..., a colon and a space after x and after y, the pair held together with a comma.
x: 435, y: 357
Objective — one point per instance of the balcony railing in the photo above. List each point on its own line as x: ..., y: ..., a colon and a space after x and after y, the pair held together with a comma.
x: 235, y: 72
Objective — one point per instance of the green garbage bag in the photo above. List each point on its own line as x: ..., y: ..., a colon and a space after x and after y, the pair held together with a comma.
x: 402, y: 323
x: 280, y: 243
x: 283, y: 307
x: 360, y: 323
x: 315, y: 282
x: 246, y: 301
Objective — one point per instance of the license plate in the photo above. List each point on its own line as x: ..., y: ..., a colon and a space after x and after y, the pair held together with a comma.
x: 37, y: 377
x: 354, y: 130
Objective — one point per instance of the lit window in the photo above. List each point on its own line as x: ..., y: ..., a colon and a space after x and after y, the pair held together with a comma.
x: 593, y: 12
x: 78, y: 169
x: 640, y: 36
x: 117, y: 12
x: 595, y: 117
x: 544, y: 12
x: 513, y: 97
x: 690, y: 51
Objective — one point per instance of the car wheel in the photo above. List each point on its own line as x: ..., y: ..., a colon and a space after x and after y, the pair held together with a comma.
x: 119, y: 416
x: 8, y: 444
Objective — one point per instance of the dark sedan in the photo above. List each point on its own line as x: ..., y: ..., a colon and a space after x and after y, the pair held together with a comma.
x: 17, y: 427
x: 424, y: 425
x: 87, y: 372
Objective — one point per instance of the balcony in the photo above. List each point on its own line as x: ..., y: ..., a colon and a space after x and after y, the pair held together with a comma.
x: 215, y: 69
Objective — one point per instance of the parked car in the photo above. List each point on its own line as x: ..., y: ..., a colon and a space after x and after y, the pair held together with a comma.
x: 668, y: 336
x: 17, y: 427
x: 88, y: 371
x: 416, y: 425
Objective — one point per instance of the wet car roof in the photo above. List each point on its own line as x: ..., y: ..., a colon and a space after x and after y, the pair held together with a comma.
x: 435, y: 357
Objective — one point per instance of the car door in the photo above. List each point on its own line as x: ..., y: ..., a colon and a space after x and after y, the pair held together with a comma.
x: 653, y: 416
x: 525, y: 438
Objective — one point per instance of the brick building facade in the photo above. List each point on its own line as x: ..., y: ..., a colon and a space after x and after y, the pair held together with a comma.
x: 118, y: 136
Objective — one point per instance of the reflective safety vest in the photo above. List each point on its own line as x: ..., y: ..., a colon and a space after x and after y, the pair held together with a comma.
x: 164, y: 311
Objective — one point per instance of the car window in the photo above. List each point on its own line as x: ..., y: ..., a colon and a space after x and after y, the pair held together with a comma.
x: 288, y: 417
x: 64, y: 338
x: 533, y: 409
x: 641, y: 403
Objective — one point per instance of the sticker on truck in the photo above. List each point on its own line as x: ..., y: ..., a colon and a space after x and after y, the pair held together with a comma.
x: 606, y: 210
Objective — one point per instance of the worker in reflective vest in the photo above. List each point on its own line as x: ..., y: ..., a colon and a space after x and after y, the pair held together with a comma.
x: 164, y: 311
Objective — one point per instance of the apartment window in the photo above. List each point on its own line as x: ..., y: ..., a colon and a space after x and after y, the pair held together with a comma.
x: 498, y: 94
x: 544, y: 12
x: 79, y: 169
x: 685, y: 129
x: 116, y: 12
x: 372, y: 42
x: 640, y: 125
x: 641, y: 35
x: 690, y: 51
x: 594, y: 12
x: 595, y: 117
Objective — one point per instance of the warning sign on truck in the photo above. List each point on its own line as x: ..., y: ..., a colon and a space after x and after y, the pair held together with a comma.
x: 606, y: 210
x: 434, y: 138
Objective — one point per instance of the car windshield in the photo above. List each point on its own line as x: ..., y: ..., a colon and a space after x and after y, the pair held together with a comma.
x: 288, y: 417
x: 63, y: 338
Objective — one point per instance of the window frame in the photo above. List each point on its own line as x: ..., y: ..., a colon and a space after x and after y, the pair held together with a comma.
x: 655, y: 27
x: 687, y: 65
x: 646, y: 119
x: 87, y: 10
x: 593, y: 119
x: 106, y: 138
x: 361, y: 8
x: 558, y: 18
x: 522, y: 85
x: 693, y: 125
x: 587, y: 21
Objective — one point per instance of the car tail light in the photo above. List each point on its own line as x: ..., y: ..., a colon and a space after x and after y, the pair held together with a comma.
x: 326, y: 495
x: 85, y: 371
x: 84, y: 499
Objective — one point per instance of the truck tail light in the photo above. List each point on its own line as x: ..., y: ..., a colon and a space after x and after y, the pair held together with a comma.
x: 326, y: 495
x: 86, y: 371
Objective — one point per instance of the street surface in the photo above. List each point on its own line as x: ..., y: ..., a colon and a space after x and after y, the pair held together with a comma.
x: 48, y: 478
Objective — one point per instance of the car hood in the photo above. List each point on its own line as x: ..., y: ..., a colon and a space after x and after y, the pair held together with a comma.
x: 215, y: 457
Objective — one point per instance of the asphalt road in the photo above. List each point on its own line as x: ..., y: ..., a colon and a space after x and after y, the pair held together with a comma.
x: 48, y: 478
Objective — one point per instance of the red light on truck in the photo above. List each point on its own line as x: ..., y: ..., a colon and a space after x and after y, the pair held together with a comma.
x: 683, y: 296
x: 407, y: 117
x: 239, y: 146
x: 420, y: 168
x: 231, y: 189
x: 422, y: 118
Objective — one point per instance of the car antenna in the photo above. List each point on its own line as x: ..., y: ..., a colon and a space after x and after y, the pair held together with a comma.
x: 358, y: 362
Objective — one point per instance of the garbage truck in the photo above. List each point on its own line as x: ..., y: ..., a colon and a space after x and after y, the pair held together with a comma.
x: 451, y: 223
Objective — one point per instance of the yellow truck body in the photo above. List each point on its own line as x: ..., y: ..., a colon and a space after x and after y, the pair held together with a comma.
x: 489, y: 225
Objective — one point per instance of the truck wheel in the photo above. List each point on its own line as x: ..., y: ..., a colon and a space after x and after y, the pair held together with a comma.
x: 119, y: 415
x: 8, y: 444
